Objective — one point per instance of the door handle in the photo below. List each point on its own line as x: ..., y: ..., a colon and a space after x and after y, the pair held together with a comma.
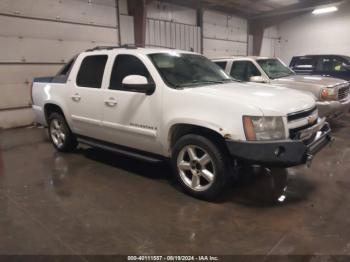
x: 111, y: 102
x: 76, y: 97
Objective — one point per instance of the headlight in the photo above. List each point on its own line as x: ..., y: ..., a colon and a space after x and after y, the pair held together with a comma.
x: 328, y: 94
x: 264, y: 128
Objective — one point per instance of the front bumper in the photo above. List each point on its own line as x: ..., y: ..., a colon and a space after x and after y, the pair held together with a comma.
x: 285, y: 153
x: 333, y: 109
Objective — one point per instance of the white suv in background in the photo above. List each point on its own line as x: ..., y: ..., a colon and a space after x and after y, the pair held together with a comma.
x: 155, y: 104
x: 332, y: 94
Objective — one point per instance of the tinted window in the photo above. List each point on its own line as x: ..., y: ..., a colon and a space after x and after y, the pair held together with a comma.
x: 222, y: 64
x: 332, y: 64
x: 244, y: 70
x: 303, y: 63
x: 188, y: 70
x: 66, y: 68
x: 125, y: 65
x: 347, y: 59
x: 91, y: 71
x: 63, y: 74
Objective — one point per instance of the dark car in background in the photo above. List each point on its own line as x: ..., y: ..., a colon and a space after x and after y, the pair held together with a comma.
x: 337, y: 66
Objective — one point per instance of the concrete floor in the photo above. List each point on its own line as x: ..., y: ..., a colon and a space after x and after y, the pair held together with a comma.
x: 94, y: 202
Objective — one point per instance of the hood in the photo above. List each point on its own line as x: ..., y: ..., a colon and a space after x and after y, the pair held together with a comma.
x: 271, y: 100
x: 319, y: 81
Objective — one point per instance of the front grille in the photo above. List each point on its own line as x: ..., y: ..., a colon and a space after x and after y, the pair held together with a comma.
x: 305, y: 118
x: 293, y: 133
x: 301, y: 114
x: 343, y: 92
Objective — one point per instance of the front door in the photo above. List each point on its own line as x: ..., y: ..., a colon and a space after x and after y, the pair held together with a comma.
x: 130, y: 118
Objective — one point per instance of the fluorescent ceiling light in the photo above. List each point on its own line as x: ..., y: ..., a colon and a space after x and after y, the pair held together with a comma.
x: 324, y: 10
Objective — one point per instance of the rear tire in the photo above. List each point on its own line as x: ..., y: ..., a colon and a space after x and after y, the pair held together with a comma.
x: 60, y: 134
x: 200, y: 166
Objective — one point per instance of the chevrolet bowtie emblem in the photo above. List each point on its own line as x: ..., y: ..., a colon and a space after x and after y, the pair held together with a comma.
x: 311, y: 119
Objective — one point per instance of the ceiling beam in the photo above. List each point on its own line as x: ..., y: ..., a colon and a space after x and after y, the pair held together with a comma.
x: 221, y: 6
x: 302, y: 6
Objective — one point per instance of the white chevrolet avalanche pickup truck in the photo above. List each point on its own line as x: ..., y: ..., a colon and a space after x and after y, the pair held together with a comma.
x: 155, y: 104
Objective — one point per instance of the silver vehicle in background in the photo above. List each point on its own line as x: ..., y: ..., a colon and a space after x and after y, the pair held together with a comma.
x: 331, y: 94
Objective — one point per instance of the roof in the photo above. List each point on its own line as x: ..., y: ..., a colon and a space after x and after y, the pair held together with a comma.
x: 242, y: 57
x: 319, y: 55
x: 134, y: 49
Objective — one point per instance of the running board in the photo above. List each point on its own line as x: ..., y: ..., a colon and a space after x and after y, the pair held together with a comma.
x: 116, y: 149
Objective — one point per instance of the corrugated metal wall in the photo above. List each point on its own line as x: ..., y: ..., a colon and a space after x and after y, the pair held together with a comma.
x: 224, y: 35
x: 172, y: 26
x: 37, y: 37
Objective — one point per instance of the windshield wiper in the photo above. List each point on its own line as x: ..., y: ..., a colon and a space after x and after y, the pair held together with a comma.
x: 281, y: 76
x: 198, y: 82
x: 229, y: 80
x: 206, y: 81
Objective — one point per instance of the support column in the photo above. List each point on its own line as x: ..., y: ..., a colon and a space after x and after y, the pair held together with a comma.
x: 118, y: 22
x: 258, y: 26
x: 200, y: 24
x: 137, y: 9
x: 257, y: 30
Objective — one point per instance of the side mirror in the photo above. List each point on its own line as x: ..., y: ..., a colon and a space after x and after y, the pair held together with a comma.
x: 138, y: 83
x: 257, y: 79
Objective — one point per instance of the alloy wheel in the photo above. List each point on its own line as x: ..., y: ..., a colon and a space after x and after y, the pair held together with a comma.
x: 57, y: 132
x: 196, y: 168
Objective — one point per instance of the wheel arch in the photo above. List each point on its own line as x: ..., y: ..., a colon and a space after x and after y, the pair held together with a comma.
x: 178, y: 130
x: 49, y: 108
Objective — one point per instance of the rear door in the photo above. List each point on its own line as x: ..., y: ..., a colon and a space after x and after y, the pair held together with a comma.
x: 86, y: 97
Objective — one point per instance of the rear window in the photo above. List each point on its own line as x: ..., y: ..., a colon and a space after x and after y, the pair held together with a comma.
x: 222, y: 64
x: 91, y: 71
x: 65, y: 70
x: 303, y: 63
x: 62, y: 75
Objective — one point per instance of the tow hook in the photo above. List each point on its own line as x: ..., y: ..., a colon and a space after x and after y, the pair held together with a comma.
x: 309, y: 159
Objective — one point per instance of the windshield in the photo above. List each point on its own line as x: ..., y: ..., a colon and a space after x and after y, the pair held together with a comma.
x: 185, y: 70
x: 274, y: 68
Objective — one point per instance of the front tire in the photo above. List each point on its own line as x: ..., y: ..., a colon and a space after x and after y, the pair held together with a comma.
x: 200, y: 166
x: 60, y: 135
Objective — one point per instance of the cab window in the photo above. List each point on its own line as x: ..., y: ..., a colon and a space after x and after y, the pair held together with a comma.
x: 222, y: 64
x: 303, y: 63
x: 91, y: 71
x: 244, y: 70
x: 333, y: 64
x: 125, y: 65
